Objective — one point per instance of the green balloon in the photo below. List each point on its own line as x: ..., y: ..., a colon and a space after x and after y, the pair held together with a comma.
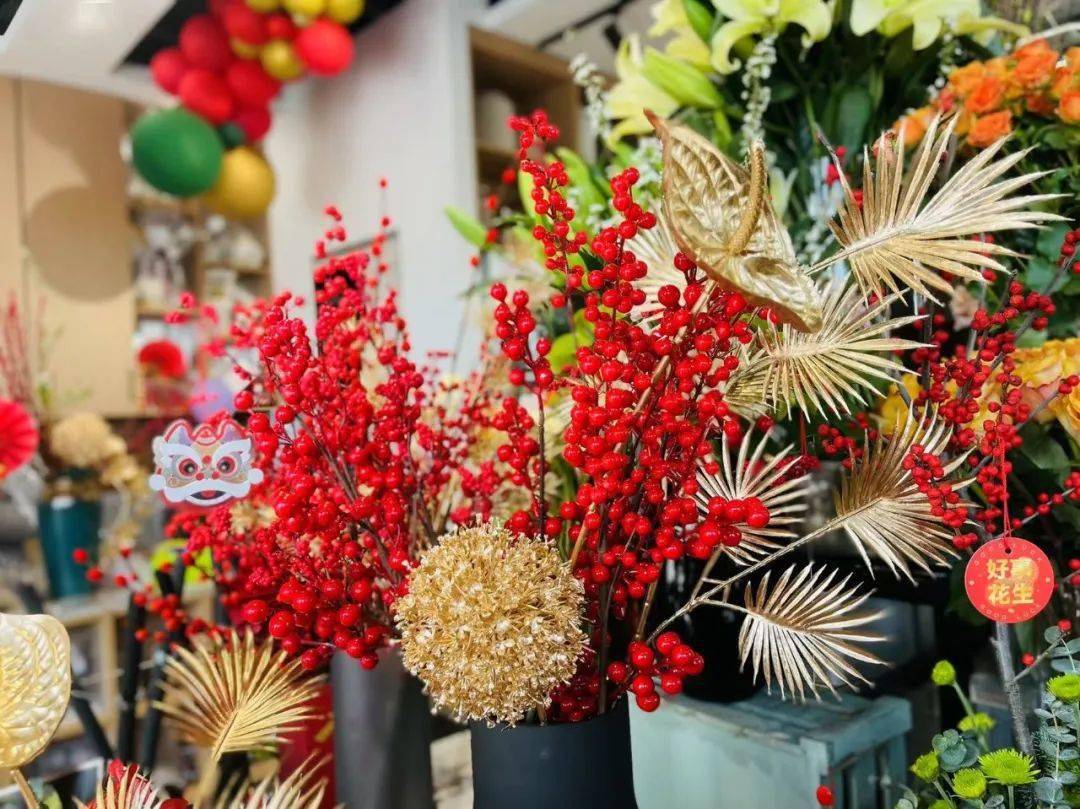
x: 176, y: 152
x: 232, y: 135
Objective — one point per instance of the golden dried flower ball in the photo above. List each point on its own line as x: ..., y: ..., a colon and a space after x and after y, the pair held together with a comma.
x: 491, y: 623
x: 84, y: 440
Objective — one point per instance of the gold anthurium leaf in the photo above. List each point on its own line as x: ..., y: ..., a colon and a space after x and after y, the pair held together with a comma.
x: 899, y: 238
x: 235, y: 694
x: 881, y: 508
x: 835, y: 365
x: 35, y: 685
x: 750, y: 474
x: 720, y: 216
x: 802, y: 632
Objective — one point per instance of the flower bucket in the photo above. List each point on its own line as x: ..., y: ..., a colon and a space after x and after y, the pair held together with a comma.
x: 382, y: 735
x: 571, y: 765
x: 66, y: 524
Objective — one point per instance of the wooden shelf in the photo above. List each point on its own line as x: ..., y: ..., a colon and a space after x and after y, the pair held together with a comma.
x: 491, y: 160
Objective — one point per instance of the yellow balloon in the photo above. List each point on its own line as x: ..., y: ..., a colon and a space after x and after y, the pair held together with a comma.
x: 264, y: 6
x: 306, y: 8
x: 344, y: 11
x: 245, y: 186
x: 243, y: 49
x: 280, y: 60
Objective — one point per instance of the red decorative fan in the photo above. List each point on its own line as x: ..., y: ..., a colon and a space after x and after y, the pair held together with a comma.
x: 18, y: 437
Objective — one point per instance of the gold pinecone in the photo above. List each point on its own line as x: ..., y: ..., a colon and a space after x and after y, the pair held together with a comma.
x: 491, y: 623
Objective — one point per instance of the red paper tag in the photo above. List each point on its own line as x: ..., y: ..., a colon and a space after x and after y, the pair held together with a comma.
x: 1009, y: 580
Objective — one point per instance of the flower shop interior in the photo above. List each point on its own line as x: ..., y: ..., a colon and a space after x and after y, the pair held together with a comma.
x: 539, y: 403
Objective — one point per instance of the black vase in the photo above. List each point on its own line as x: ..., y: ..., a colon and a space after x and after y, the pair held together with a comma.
x: 713, y: 632
x: 583, y: 765
x: 382, y: 735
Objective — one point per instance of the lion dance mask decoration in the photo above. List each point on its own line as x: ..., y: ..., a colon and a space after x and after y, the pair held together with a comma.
x: 207, y: 466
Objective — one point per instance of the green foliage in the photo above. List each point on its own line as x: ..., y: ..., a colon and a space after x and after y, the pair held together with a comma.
x: 468, y: 226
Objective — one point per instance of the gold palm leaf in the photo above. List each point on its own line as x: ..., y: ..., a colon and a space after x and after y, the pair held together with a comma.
x: 657, y: 248
x: 130, y: 791
x: 720, y: 216
x: 748, y: 475
x: 236, y: 694
x: 823, y: 369
x: 899, y: 238
x: 35, y: 685
x: 302, y: 789
x: 881, y: 508
x: 800, y: 634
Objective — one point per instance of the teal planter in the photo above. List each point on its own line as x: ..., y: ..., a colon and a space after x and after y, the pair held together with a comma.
x: 64, y: 525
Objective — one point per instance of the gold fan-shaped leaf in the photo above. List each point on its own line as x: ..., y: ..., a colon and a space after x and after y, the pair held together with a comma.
x: 800, y: 634
x: 35, y: 685
x: 720, y: 216
x: 821, y: 370
x: 236, y: 694
x: 302, y: 789
x: 129, y: 791
x: 749, y: 475
x: 881, y: 508
x: 897, y: 234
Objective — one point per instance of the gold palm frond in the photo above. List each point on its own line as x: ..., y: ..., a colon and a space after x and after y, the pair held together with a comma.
x: 130, y: 791
x: 748, y: 475
x: 800, y: 634
x: 820, y: 370
x: 235, y: 694
x: 302, y: 789
x: 881, y: 508
x: 898, y: 238
x: 657, y: 248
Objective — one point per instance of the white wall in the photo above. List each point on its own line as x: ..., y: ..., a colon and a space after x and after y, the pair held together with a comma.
x: 404, y: 112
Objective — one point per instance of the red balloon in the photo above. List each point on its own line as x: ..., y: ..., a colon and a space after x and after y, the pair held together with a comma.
x: 250, y: 85
x: 207, y: 95
x: 217, y: 7
x: 255, y: 121
x: 205, y: 43
x: 280, y: 26
x: 168, y: 68
x: 245, y: 24
x: 326, y: 47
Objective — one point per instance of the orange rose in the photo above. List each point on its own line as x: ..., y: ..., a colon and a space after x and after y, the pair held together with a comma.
x: 1036, y: 69
x: 1065, y: 79
x: 1040, y: 105
x: 987, y: 96
x: 1068, y: 109
x: 990, y: 128
x: 1072, y: 58
x: 1034, y: 47
x: 998, y: 66
x: 964, y: 120
x: 964, y: 79
x: 914, y: 125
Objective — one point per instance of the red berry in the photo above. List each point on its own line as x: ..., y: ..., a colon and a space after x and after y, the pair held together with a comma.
x: 255, y: 611
x: 648, y: 702
x: 825, y: 796
x: 666, y: 642
x: 642, y: 684
x: 670, y: 683
x: 1064, y: 625
x: 281, y: 624
x: 617, y: 671
x: 1028, y: 659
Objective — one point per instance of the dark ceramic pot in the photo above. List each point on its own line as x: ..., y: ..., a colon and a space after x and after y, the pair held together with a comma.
x: 382, y: 735
x: 583, y: 765
x: 66, y: 524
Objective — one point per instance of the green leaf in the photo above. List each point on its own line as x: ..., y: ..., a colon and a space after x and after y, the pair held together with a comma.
x: 1044, y: 452
x: 562, y: 352
x: 1038, y: 273
x: 581, y: 178
x: 722, y: 136
x: 468, y: 226
x: 1048, y: 242
x: 700, y: 18
x: 853, y: 111
x: 682, y: 81
x: 526, y: 183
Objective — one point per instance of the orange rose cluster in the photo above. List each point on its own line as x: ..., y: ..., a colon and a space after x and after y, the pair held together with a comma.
x: 990, y: 96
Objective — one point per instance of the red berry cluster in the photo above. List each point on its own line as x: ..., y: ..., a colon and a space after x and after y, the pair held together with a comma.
x: 669, y: 660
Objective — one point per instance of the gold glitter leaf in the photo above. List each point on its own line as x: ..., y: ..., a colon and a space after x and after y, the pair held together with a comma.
x: 236, y: 694
x: 35, y: 685
x: 747, y: 475
x: 899, y: 235
x: 881, y: 508
x: 839, y: 362
x: 801, y: 633
x: 720, y: 216
x: 491, y: 623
